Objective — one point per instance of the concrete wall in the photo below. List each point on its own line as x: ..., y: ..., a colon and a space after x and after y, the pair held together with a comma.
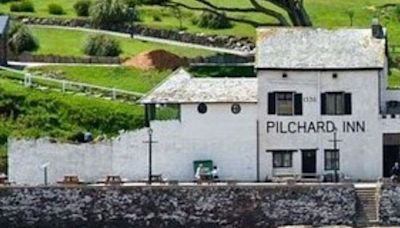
x: 360, y: 152
x: 223, y: 206
x: 219, y: 135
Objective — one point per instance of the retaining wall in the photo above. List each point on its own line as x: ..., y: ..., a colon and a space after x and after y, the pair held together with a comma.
x: 173, y: 206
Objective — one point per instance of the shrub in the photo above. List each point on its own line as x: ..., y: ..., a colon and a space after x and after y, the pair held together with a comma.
x: 23, y: 6
x: 157, y: 18
x: 106, y: 13
x: 55, y: 9
x: 213, y: 21
x: 101, y: 45
x: 82, y: 8
x: 397, y: 12
x: 153, y: 2
x: 21, y: 38
x: 14, y: 7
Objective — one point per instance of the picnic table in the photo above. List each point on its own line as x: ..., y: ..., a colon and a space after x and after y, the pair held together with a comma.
x: 112, y: 180
x: 70, y: 180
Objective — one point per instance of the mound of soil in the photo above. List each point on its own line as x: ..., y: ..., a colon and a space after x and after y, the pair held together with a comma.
x: 157, y: 59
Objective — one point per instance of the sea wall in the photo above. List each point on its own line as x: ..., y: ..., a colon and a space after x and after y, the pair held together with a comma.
x: 177, y: 206
x: 389, y: 205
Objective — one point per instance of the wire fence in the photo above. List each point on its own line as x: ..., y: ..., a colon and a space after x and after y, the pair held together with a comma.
x: 66, y: 86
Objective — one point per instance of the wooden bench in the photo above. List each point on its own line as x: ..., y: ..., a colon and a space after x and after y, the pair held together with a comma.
x: 70, y: 180
x: 111, y: 180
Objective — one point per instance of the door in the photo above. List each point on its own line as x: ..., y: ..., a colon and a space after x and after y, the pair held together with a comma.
x: 390, y: 156
x: 309, y: 161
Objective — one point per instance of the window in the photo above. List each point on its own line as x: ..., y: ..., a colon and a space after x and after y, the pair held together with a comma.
x: 236, y: 108
x: 331, y: 159
x: 336, y: 103
x: 282, y: 159
x: 285, y: 103
x: 202, y: 108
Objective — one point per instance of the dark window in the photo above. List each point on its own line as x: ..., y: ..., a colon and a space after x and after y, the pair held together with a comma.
x: 285, y: 103
x: 282, y: 159
x: 236, y: 108
x: 202, y: 108
x: 331, y: 159
x: 337, y: 103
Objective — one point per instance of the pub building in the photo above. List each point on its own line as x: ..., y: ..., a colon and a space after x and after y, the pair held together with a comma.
x: 319, y: 104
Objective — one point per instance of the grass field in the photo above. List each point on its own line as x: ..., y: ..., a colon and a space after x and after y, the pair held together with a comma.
x: 68, y: 42
x: 394, y: 78
x: 116, y: 77
x: 323, y: 13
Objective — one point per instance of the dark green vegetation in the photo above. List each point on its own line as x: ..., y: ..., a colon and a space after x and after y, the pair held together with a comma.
x: 101, y: 45
x: 20, y: 38
x: 55, y: 9
x: 222, y: 71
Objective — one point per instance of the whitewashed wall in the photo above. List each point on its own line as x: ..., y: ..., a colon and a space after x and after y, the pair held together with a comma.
x: 219, y: 135
x: 360, y: 152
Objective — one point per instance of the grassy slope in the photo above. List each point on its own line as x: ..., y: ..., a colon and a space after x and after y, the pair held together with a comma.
x: 37, y: 114
x: 67, y: 42
x: 117, y: 77
x: 323, y: 14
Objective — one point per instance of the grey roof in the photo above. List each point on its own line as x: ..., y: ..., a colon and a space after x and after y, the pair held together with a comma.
x: 3, y: 24
x: 310, y: 48
x: 181, y: 87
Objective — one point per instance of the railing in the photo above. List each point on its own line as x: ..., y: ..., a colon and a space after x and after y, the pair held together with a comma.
x: 64, y: 86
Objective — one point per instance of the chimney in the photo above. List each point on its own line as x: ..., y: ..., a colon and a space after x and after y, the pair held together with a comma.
x: 377, y: 29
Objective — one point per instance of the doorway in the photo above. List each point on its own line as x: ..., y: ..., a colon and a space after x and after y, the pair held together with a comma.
x: 391, y: 152
x: 309, y: 163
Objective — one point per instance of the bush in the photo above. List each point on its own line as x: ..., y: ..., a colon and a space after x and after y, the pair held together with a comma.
x: 213, y: 21
x: 23, y: 6
x: 21, y: 39
x: 101, y: 45
x: 157, y: 18
x: 82, y: 8
x: 107, y: 13
x: 55, y: 9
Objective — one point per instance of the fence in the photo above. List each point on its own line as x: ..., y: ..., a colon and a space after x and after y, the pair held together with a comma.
x: 29, y: 80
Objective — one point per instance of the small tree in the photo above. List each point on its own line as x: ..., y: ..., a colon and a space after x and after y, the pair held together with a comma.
x: 101, y: 45
x: 177, y: 12
x: 350, y: 13
x: 82, y: 7
x: 106, y: 13
x: 21, y: 39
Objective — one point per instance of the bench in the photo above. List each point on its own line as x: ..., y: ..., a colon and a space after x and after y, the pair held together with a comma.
x: 70, y: 180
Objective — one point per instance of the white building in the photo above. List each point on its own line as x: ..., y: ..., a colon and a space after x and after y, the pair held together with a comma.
x: 311, y: 85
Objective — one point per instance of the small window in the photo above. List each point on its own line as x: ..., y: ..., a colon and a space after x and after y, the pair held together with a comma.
x: 236, y: 108
x: 202, y: 108
x: 337, y: 103
x: 285, y: 103
x: 331, y: 159
x: 282, y: 159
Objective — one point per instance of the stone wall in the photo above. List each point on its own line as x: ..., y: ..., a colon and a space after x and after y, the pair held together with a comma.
x: 389, y: 207
x: 231, y: 42
x: 173, y: 206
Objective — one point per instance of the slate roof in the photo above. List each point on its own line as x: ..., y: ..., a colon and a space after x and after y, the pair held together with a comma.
x: 3, y: 24
x: 181, y: 87
x: 310, y: 48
